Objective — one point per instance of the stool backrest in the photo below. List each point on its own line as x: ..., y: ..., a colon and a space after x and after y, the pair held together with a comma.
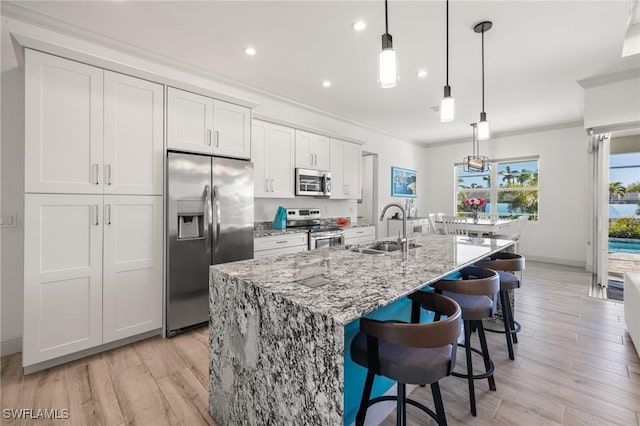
x: 509, y: 262
x: 420, y: 335
x: 475, y: 282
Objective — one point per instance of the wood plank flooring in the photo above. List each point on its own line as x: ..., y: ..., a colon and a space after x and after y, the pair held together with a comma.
x: 575, y: 365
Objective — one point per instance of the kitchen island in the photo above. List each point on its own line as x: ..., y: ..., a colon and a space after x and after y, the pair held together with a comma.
x: 279, y: 325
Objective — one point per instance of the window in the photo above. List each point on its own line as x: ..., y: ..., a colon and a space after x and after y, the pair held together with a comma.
x: 509, y: 187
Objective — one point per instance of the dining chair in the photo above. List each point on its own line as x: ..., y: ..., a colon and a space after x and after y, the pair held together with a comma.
x: 455, y: 225
x: 435, y: 226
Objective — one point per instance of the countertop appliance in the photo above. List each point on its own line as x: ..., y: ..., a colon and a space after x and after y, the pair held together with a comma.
x: 316, y: 183
x: 209, y: 221
x: 320, y: 236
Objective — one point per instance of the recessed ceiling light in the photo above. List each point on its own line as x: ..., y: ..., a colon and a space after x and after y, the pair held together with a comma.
x: 421, y: 73
x: 359, y: 25
x: 250, y: 51
x: 326, y: 83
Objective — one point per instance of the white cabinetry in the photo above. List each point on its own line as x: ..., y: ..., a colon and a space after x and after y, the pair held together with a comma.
x: 345, y: 170
x: 360, y: 235
x: 90, y: 131
x: 197, y: 123
x: 414, y: 225
x: 132, y: 266
x: 62, y: 274
x: 280, y: 244
x: 312, y: 151
x: 272, y: 153
x: 93, y: 207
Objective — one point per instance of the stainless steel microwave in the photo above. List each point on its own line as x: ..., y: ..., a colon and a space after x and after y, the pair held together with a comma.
x: 316, y: 183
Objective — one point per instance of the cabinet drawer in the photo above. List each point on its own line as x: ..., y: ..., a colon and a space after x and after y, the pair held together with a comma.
x: 280, y: 241
x: 362, y: 232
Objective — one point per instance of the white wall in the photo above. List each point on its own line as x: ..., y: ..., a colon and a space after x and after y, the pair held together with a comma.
x: 614, y: 102
x: 391, y: 151
x: 560, y: 235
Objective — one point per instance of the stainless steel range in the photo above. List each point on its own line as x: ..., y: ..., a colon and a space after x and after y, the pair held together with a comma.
x: 320, y: 236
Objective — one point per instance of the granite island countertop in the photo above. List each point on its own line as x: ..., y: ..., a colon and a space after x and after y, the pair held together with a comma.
x: 351, y: 285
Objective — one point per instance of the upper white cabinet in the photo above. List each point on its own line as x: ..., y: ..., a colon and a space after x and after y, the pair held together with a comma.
x: 89, y: 131
x: 232, y: 127
x: 132, y: 286
x: 63, y: 125
x: 312, y: 151
x: 197, y: 123
x: 345, y: 170
x: 272, y: 153
x: 133, y: 145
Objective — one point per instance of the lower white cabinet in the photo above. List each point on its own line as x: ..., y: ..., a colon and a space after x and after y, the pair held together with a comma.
x: 93, y: 271
x: 360, y: 235
x: 280, y: 244
x: 414, y: 225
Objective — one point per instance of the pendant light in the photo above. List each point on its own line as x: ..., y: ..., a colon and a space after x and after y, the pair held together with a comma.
x: 475, y: 162
x: 483, y: 125
x: 447, y: 105
x: 387, y: 60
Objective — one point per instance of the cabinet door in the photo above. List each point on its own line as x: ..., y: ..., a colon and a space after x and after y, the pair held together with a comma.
x: 132, y: 295
x: 304, y: 156
x: 62, y: 275
x: 259, y: 135
x: 352, y: 161
x: 133, y: 145
x: 321, y: 147
x: 338, y: 184
x: 280, y: 161
x: 63, y: 125
x: 189, y: 122
x: 232, y: 125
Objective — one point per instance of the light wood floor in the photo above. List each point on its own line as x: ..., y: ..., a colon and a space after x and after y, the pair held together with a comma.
x: 575, y: 365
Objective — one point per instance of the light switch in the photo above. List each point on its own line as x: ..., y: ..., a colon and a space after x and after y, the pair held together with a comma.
x: 8, y: 220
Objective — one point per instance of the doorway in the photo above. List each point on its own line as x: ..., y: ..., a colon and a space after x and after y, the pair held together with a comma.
x: 368, y: 200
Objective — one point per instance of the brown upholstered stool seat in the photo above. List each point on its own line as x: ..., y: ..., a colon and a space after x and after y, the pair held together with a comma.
x: 473, y: 307
x: 420, y: 354
x: 506, y: 264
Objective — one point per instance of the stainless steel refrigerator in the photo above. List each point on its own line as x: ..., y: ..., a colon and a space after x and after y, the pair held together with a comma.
x: 209, y: 221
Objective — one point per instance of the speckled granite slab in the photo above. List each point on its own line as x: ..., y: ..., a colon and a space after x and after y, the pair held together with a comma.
x: 277, y: 344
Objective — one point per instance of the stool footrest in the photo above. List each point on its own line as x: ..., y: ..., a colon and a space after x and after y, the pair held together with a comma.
x: 409, y: 401
x: 518, y: 329
x: 485, y: 375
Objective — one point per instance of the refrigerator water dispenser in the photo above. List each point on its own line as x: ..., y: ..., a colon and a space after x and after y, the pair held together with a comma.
x: 190, y: 220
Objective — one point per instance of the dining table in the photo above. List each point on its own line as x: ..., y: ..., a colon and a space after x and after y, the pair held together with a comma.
x: 483, y: 226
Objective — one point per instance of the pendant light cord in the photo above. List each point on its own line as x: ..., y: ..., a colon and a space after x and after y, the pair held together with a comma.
x: 386, y: 18
x: 447, y: 42
x: 482, y: 69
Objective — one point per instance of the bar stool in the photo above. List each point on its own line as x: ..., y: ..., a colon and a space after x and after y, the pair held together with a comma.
x: 418, y: 354
x: 506, y: 264
x: 475, y: 293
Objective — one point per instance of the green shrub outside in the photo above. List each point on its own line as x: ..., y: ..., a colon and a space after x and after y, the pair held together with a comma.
x: 625, y: 227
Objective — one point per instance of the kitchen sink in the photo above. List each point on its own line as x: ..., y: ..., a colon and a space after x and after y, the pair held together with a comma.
x: 367, y: 251
x: 383, y: 247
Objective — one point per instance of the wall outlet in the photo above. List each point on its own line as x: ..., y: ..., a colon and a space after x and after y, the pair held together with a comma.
x: 8, y: 220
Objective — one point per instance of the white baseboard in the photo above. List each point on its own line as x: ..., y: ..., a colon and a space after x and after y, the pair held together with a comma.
x: 557, y: 261
x: 10, y: 346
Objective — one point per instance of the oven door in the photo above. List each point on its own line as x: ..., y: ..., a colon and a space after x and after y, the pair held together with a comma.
x: 325, y: 239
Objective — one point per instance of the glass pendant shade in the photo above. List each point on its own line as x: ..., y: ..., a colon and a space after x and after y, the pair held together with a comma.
x: 447, y: 106
x: 484, y: 132
x: 387, y: 68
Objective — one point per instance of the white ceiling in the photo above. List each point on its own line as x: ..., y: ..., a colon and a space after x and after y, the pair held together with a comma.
x: 535, y: 53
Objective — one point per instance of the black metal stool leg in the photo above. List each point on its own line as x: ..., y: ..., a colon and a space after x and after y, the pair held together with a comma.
x: 364, y: 402
x: 514, y: 335
x: 437, y: 402
x: 485, y: 355
x: 506, y: 320
x: 401, y: 406
x: 467, y: 350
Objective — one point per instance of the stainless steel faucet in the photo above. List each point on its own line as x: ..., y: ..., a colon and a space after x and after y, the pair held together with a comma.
x: 401, y: 240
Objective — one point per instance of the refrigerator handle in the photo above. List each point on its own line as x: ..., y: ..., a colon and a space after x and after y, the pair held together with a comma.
x: 217, y: 203
x: 207, y: 218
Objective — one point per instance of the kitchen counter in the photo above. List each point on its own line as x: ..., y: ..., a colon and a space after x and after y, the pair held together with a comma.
x: 278, y: 325
x: 271, y: 232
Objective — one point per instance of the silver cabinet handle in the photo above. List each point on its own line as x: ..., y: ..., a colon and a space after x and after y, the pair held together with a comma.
x: 266, y: 185
x: 348, y: 189
x: 315, y: 156
x: 282, y: 242
x: 271, y: 185
x: 95, y: 215
x: 107, y: 171
x: 217, y: 139
x: 107, y: 214
x: 95, y: 169
x: 311, y: 161
x: 209, y: 137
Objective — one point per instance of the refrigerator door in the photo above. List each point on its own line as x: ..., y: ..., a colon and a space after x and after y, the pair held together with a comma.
x: 232, y: 195
x: 189, y: 242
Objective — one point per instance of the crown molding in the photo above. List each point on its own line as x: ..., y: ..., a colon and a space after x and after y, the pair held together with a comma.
x: 21, y: 13
x: 615, y: 77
